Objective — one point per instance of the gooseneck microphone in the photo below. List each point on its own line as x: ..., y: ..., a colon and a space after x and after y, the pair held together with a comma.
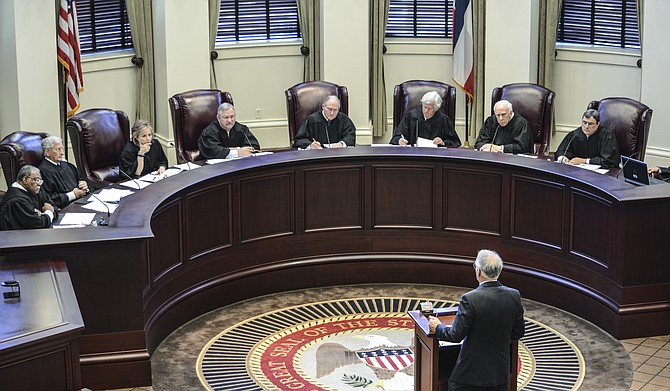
x: 132, y: 179
x: 328, y: 135
x: 102, y: 221
x: 623, y: 164
x: 567, y: 147
x: 493, y: 140
x: 249, y: 141
x: 416, y: 139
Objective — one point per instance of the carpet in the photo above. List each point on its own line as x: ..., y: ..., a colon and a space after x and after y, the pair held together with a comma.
x: 359, y: 337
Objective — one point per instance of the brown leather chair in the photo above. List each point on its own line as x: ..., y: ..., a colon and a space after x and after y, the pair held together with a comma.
x: 17, y: 150
x: 191, y: 112
x: 407, y: 96
x: 98, y: 137
x: 533, y: 102
x: 629, y: 120
x: 306, y: 98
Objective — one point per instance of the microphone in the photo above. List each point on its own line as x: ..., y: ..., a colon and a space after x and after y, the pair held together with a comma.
x: 494, y: 138
x: 416, y: 140
x: 132, y: 179
x: 624, y: 164
x: 567, y: 147
x: 327, y: 135
x: 102, y: 221
x: 249, y: 141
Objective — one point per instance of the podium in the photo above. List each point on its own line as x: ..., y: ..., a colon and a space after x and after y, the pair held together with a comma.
x: 433, y: 363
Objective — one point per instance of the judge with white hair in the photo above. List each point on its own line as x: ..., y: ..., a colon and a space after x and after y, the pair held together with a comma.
x: 426, y: 122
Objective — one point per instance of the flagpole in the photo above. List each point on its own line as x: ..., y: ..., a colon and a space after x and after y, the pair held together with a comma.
x: 467, y: 122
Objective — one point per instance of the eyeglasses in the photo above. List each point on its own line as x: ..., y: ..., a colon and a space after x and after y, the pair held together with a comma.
x: 39, y: 181
x: 474, y: 266
x: 59, y: 149
x: 227, y: 117
x: 331, y: 109
x: 586, y: 123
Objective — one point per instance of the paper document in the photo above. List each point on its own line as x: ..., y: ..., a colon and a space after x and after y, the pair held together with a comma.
x: 100, y: 206
x: 217, y: 161
x: 135, y: 184
x: 261, y: 153
x: 112, y: 195
x: 77, y: 218
x: 446, y: 343
x: 187, y: 166
x: 424, y: 142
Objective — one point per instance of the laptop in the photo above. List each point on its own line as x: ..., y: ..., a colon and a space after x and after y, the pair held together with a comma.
x: 635, y: 172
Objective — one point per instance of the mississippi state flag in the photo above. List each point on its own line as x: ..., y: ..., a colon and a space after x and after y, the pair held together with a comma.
x: 462, y: 44
x: 68, y: 53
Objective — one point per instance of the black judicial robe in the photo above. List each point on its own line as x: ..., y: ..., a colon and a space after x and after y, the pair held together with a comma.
x: 215, y: 142
x: 601, y: 147
x: 59, y: 179
x: 516, y: 137
x: 341, y: 128
x: 18, y: 211
x: 152, y: 159
x: 438, y: 125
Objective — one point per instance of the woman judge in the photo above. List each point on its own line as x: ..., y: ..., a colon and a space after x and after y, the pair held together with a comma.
x: 143, y: 154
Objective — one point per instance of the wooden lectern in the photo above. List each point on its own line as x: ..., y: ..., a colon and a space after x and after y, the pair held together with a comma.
x: 433, y: 364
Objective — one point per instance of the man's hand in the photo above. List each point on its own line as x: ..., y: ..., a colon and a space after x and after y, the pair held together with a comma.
x: 315, y: 145
x: 245, y: 151
x: 577, y: 161
x: 47, y: 206
x: 433, y: 322
x: 438, y: 141
x: 491, y: 148
x: 78, y: 193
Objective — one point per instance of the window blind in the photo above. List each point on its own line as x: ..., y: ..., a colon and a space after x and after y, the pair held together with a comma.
x: 609, y: 23
x: 419, y: 19
x: 103, y: 26
x: 257, y: 20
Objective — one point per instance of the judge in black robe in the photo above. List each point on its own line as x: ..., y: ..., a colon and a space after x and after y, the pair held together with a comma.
x: 225, y: 138
x: 429, y: 122
x: 143, y: 154
x: 326, y: 128
x: 21, y: 208
x: 505, y: 131
x: 590, y: 144
x: 62, y: 183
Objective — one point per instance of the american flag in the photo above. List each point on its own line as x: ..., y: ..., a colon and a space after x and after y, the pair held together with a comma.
x: 68, y: 53
x: 463, y: 74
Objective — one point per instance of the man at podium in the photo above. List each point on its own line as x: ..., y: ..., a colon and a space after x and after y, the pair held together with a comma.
x: 489, y: 318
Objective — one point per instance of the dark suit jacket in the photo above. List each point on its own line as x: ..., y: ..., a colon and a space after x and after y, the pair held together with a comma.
x: 488, y: 319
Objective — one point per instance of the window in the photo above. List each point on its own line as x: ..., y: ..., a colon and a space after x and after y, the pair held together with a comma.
x: 609, y: 23
x: 258, y: 20
x: 103, y: 26
x: 419, y: 18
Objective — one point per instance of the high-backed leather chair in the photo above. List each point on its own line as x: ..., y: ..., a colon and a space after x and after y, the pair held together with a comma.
x: 407, y: 96
x: 17, y: 150
x: 533, y: 102
x: 98, y: 137
x: 191, y: 112
x: 306, y: 98
x: 629, y: 120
